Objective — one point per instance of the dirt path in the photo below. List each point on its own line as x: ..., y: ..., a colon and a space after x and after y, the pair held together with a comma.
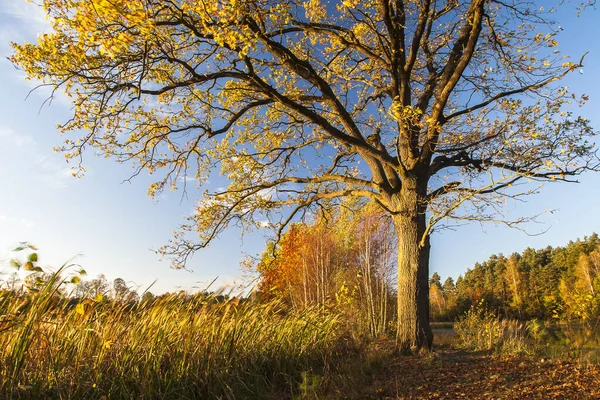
x: 450, y: 374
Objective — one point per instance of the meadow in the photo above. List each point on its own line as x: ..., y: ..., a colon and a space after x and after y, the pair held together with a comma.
x: 209, y: 346
x: 176, y: 346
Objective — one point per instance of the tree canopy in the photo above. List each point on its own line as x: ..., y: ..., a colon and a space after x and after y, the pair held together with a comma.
x: 549, y: 283
x: 432, y: 109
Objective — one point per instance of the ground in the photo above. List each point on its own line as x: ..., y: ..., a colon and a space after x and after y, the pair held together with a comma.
x: 453, y: 374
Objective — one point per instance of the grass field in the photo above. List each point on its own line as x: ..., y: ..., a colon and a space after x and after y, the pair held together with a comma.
x: 204, y: 347
x: 176, y: 347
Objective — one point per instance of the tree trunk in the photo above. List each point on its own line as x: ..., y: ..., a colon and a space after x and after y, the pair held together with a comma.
x: 414, y: 331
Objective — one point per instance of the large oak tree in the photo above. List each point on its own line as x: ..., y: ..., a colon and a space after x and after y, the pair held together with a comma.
x: 434, y: 109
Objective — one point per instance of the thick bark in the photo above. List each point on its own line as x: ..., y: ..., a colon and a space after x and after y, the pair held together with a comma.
x: 414, y: 331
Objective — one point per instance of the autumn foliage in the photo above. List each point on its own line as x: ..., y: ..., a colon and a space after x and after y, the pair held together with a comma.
x: 553, y: 283
x: 433, y: 110
x: 342, y: 260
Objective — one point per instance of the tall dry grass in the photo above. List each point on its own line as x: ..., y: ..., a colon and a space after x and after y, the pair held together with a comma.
x: 481, y: 330
x: 176, y: 347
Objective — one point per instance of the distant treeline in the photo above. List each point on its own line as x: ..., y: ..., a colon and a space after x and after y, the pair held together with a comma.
x: 550, y: 283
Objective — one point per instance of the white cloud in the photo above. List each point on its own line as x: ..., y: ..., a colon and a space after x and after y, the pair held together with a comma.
x: 12, y: 139
x: 186, y: 179
x: 30, y: 16
x: 45, y: 93
x: 19, y: 21
x: 267, y: 194
x: 24, y: 222
x: 55, y: 175
x: 27, y: 223
x: 265, y: 223
x: 52, y: 173
x: 9, y: 34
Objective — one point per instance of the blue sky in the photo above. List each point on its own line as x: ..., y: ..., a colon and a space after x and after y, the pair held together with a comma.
x: 113, y: 225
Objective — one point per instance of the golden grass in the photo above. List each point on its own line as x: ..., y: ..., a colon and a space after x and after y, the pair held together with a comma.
x: 175, y: 347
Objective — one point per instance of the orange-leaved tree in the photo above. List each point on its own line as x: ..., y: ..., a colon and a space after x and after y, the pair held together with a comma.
x: 303, y: 267
x: 281, y: 271
x: 432, y: 109
x: 344, y: 259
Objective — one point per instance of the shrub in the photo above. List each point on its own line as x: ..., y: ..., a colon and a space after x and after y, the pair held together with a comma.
x: 481, y: 330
